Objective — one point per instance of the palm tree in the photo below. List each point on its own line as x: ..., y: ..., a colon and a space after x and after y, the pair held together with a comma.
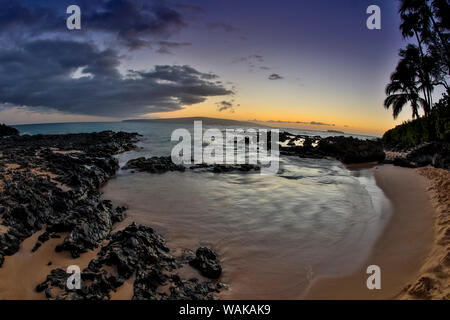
x: 438, y: 46
x: 423, y: 65
x: 441, y: 24
x: 404, y: 86
x: 416, y: 23
x: 429, y: 25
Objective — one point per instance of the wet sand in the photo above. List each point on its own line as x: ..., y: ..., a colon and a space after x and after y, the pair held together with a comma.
x: 23, y: 271
x: 401, y: 249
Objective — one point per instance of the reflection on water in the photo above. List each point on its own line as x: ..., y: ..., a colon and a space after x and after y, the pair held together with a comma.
x: 274, y: 233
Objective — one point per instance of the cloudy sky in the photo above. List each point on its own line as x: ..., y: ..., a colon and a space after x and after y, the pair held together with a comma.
x: 305, y: 63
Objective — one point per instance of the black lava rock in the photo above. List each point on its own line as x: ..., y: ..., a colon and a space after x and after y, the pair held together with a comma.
x: 401, y: 162
x: 53, y: 180
x: 165, y: 164
x: 154, y: 165
x: 207, y: 262
x: 136, y: 250
x: 345, y: 149
x: 8, y: 131
x: 436, y: 154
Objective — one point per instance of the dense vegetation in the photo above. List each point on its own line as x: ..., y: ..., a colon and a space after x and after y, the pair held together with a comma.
x: 424, y: 64
x: 434, y: 127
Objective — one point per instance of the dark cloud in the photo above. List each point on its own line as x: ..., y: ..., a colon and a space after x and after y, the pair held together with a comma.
x: 222, y: 26
x: 315, y: 123
x: 281, y: 121
x: 41, y: 74
x: 73, y: 75
x: 275, y: 76
x: 189, y: 7
x: 19, y: 21
x: 134, y: 22
x: 166, y: 46
x: 256, y: 57
x: 251, y: 60
x: 226, y: 105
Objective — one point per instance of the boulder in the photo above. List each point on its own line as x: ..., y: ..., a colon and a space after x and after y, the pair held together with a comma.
x: 402, y: 162
x: 436, y: 154
x: 207, y: 262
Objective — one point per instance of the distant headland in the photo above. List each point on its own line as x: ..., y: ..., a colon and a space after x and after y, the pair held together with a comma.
x: 205, y: 120
x: 336, y: 131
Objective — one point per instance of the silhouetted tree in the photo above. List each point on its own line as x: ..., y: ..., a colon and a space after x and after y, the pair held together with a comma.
x: 423, y: 65
x: 404, y: 85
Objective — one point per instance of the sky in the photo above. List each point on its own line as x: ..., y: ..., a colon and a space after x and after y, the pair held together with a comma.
x: 295, y: 63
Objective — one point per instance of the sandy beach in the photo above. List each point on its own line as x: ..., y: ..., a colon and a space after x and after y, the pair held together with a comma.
x: 433, y: 280
x: 411, y: 250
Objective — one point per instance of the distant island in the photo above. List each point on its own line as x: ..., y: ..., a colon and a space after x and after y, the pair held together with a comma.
x: 209, y: 121
x: 336, y: 131
x: 205, y: 120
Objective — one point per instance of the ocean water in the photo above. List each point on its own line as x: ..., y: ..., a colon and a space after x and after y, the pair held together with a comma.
x: 274, y: 234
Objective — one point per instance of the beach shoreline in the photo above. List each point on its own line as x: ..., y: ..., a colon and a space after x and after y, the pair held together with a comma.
x: 412, y: 249
x: 403, y: 250
x: 433, y: 280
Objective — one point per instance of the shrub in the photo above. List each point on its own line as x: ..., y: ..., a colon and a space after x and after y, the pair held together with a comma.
x: 434, y: 127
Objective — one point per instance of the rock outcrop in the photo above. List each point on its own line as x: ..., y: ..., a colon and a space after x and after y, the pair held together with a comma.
x: 165, y: 164
x: 139, y: 251
x: 8, y: 131
x: 51, y: 182
x: 436, y: 154
x: 345, y: 149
